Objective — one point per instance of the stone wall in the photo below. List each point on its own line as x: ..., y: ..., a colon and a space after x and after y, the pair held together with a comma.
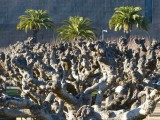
x: 99, y: 11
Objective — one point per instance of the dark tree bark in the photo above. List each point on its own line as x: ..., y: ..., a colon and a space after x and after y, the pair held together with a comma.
x: 35, y: 32
x: 127, y: 34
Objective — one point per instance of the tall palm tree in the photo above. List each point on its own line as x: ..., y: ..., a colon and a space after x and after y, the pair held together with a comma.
x: 76, y: 27
x: 125, y: 17
x: 35, y: 20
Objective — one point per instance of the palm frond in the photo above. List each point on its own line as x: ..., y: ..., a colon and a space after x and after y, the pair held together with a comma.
x: 35, y: 19
x: 125, y: 17
x: 76, y: 27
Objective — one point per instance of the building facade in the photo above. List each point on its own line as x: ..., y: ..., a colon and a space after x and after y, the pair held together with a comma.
x: 99, y: 11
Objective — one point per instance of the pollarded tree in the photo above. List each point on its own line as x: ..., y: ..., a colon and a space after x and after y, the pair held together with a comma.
x: 125, y: 17
x: 35, y: 20
x: 74, y: 80
x: 76, y: 27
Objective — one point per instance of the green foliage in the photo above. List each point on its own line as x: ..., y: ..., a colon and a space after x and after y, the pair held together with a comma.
x: 35, y: 20
x: 95, y: 92
x: 12, y: 92
x: 125, y: 17
x: 76, y: 27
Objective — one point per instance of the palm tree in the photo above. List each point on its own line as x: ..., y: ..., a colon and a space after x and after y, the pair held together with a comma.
x: 35, y: 20
x: 76, y: 27
x: 125, y: 17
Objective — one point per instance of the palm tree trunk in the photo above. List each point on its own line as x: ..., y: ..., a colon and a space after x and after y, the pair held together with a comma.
x: 35, y: 36
x: 127, y: 33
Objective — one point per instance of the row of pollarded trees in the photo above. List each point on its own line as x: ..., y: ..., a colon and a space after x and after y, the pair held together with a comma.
x: 123, y: 18
x: 72, y: 80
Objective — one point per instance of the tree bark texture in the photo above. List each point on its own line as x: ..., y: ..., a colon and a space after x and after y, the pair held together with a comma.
x: 81, y: 80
